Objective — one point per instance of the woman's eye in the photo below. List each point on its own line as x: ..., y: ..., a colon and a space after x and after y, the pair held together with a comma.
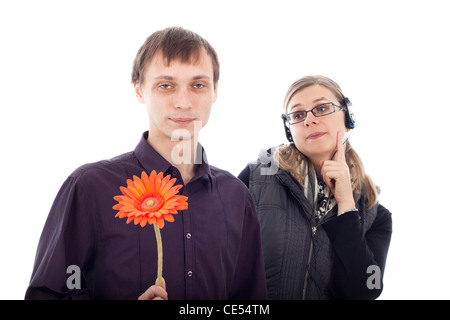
x: 324, y: 108
x: 297, y: 117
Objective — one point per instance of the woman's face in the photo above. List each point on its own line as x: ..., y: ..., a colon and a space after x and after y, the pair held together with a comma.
x: 316, y: 137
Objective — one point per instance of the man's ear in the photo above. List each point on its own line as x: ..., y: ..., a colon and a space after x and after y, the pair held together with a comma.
x: 138, y: 93
x: 215, y: 94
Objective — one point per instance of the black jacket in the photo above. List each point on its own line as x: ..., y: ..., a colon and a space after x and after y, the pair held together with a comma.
x: 339, y: 257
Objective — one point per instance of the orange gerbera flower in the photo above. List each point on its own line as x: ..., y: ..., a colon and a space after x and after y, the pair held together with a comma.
x: 150, y: 199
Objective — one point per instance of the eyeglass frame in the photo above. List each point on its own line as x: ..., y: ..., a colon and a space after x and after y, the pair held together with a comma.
x: 287, y: 116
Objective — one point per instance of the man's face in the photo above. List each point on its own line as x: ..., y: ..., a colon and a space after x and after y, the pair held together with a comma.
x: 178, y: 94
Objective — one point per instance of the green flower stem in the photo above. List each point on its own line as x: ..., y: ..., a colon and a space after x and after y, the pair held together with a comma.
x: 160, y: 254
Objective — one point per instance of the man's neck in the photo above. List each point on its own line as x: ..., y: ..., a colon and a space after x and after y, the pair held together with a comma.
x: 180, y: 154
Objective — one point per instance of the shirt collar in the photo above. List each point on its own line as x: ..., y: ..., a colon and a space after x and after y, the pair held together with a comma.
x: 152, y: 160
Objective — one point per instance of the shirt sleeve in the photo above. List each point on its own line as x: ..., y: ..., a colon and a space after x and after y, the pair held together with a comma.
x: 358, y: 256
x: 244, y: 176
x: 249, y: 281
x: 66, y: 244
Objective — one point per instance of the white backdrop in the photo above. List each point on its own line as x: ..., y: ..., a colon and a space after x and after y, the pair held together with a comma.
x: 66, y: 99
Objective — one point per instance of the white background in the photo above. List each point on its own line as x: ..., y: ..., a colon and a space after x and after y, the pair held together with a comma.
x: 66, y: 99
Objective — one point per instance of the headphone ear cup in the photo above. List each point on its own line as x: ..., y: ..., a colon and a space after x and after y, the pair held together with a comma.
x: 288, y: 134
x: 347, y: 102
x: 287, y: 131
x: 349, y: 119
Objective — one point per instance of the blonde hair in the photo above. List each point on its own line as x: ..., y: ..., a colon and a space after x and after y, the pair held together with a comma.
x: 292, y: 160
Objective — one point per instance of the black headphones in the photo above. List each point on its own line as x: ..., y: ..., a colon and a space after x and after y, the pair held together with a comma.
x: 349, y: 119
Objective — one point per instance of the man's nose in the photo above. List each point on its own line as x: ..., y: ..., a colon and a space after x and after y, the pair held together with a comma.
x: 183, y: 99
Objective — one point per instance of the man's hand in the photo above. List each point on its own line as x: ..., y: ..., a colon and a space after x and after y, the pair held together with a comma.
x: 155, y: 292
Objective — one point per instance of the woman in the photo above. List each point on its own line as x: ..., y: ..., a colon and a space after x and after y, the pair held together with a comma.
x: 324, y: 234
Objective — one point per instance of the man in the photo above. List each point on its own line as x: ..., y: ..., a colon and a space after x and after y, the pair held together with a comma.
x: 211, y: 251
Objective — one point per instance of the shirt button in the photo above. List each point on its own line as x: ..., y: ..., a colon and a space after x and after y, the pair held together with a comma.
x: 189, y: 273
x: 188, y: 236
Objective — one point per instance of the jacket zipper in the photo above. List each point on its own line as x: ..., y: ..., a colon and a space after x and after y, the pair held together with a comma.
x: 311, y: 243
x: 314, y: 229
x: 305, y: 281
x: 311, y: 248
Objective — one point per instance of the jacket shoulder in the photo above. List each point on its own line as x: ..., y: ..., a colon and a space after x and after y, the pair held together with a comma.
x: 265, y: 166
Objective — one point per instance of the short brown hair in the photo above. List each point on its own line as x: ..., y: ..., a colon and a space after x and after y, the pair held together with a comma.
x: 173, y: 43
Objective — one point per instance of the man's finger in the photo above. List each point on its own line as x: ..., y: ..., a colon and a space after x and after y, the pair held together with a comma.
x: 163, y: 283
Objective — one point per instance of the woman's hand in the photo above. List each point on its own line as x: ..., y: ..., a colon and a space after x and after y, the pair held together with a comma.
x: 336, y: 175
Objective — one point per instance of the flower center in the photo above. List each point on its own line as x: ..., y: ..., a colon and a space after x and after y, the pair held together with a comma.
x: 150, y: 203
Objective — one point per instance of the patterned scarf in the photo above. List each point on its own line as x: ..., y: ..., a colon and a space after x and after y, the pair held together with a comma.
x: 317, y: 193
x: 325, y: 201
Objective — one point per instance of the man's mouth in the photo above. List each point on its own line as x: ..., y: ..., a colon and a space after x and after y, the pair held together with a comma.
x: 182, y: 120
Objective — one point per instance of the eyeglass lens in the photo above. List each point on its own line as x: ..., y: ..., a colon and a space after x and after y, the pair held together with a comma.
x: 318, y: 111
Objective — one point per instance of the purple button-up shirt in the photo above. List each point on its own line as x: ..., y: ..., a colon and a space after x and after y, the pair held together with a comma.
x: 211, y: 251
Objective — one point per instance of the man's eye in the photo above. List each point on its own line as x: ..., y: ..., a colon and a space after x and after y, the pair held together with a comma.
x: 199, y: 85
x: 165, y: 86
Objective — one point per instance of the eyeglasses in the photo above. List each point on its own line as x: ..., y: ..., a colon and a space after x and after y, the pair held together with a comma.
x: 321, y: 110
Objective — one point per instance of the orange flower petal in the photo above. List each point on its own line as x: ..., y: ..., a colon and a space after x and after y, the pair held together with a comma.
x: 167, y: 185
x: 119, y: 198
x: 171, y: 203
x: 164, y: 182
x: 139, y: 185
x: 127, y: 193
x: 158, y: 181
x: 160, y: 223
x: 137, y: 220
x: 126, y: 202
x: 130, y: 183
x: 123, y: 214
x: 132, y: 188
x: 143, y: 221
x: 137, y: 213
x: 146, y: 181
x: 163, y: 211
x: 169, y: 218
x: 182, y: 206
x: 170, y: 193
